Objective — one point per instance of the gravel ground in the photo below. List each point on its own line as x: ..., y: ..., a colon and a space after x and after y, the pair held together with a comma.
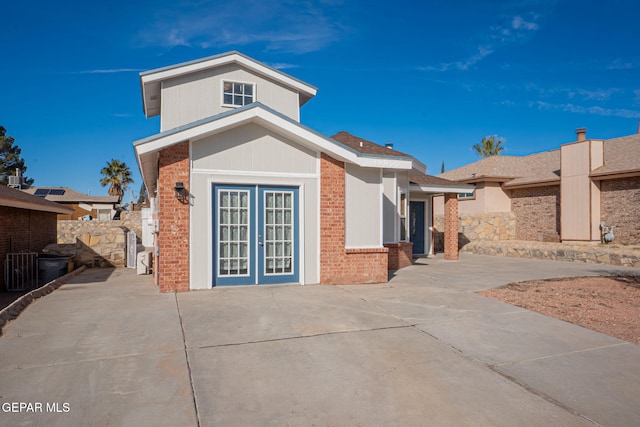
x: 610, y: 305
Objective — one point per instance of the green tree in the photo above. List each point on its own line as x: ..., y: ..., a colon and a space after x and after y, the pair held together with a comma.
x: 442, y: 168
x: 117, y: 176
x: 10, y: 159
x: 142, y: 197
x: 489, y: 146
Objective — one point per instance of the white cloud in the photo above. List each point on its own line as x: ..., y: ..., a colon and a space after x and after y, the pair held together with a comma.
x: 595, y: 110
x: 512, y: 29
x: 282, y: 65
x: 280, y: 25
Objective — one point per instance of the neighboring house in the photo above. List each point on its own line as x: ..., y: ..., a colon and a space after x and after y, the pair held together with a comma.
x: 243, y: 193
x: 28, y: 224
x: 82, y: 205
x: 562, y: 194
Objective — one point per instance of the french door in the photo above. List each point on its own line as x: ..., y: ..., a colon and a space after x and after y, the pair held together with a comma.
x: 255, y: 235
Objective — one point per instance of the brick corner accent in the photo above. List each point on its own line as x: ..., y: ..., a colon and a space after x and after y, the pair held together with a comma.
x: 173, y: 215
x: 338, y: 265
x: 451, y: 226
x: 400, y: 255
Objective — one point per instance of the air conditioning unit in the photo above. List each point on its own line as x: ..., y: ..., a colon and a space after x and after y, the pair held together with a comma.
x: 15, y: 181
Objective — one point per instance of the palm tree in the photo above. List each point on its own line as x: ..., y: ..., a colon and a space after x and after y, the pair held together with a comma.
x: 489, y: 146
x: 118, y: 175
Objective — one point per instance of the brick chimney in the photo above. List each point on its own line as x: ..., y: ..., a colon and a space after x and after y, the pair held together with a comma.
x: 582, y: 134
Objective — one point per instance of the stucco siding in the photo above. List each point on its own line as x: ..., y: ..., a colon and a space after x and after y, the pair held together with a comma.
x: 197, y: 96
x: 363, y: 207
x: 488, y: 197
x: 575, y: 189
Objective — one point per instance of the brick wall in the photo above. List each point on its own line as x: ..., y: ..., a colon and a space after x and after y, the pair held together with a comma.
x: 400, y: 255
x: 620, y: 206
x: 173, y: 238
x: 337, y: 264
x: 24, y: 230
x: 451, y: 226
x: 537, y: 212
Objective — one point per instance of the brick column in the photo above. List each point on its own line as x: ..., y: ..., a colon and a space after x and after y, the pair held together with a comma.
x: 173, y: 216
x: 332, y: 236
x: 451, y: 226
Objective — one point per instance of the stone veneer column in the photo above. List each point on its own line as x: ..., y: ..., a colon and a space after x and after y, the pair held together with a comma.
x: 173, y: 215
x: 451, y: 226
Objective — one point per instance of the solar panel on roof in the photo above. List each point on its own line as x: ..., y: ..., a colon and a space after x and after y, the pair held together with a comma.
x: 56, y: 192
x: 41, y: 192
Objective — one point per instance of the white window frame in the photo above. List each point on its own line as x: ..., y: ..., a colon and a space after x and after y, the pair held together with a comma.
x: 252, y: 84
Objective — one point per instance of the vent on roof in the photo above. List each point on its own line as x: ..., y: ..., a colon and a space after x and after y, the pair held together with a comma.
x: 389, y: 145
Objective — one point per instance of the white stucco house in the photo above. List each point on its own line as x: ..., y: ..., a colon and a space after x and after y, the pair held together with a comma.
x: 243, y: 193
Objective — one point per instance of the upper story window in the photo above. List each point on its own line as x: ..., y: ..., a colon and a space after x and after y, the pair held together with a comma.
x: 236, y: 94
x: 467, y: 196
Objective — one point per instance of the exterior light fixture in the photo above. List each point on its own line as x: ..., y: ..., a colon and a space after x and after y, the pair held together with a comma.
x: 180, y: 191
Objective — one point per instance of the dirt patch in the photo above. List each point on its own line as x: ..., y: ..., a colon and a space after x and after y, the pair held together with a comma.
x: 610, y: 305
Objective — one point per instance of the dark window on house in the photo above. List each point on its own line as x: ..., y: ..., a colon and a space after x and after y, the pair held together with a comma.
x: 236, y: 94
x: 467, y: 196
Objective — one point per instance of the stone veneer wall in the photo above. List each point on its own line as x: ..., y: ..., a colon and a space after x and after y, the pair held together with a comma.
x: 472, y: 227
x: 628, y: 256
x: 620, y: 206
x: 537, y: 211
x: 97, y: 243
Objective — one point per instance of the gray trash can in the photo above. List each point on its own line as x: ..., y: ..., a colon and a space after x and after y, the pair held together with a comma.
x: 51, y: 267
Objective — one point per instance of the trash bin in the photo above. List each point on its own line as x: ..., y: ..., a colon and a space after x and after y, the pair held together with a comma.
x: 50, y: 267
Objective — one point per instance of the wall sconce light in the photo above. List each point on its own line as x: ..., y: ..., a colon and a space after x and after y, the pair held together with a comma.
x: 180, y: 191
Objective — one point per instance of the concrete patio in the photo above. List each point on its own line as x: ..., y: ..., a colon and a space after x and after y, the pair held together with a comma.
x: 423, y: 349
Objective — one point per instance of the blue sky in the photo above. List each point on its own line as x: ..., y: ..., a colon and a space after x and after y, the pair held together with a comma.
x: 432, y: 77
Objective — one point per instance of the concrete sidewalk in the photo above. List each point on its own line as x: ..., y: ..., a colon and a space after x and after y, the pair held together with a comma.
x: 423, y: 349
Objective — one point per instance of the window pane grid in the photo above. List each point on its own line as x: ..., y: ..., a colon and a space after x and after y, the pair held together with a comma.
x: 278, y: 224
x: 237, y: 94
x: 233, y: 233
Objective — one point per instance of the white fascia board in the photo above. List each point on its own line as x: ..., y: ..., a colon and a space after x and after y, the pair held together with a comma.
x: 281, y: 125
x: 461, y: 189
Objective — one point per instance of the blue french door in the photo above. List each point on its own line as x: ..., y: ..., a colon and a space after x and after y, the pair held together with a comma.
x: 416, y: 216
x: 256, y: 235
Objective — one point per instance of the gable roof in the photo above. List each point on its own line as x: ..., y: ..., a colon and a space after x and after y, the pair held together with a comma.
x: 11, y: 197
x: 537, y: 167
x: 150, y: 81
x: 68, y: 195
x: 621, y: 156
x: 364, y: 146
x: 422, y: 182
x: 147, y: 148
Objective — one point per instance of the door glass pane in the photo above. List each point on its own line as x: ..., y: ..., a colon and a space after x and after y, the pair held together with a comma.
x: 233, y: 232
x: 278, y: 215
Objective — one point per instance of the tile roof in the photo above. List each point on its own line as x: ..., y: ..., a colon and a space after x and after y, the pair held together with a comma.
x: 621, y: 155
x: 19, y: 199
x: 72, y: 196
x: 364, y: 146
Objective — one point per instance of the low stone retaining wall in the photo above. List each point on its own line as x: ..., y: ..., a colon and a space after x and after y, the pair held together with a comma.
x: 97, y: 243
x: 493, y: 226
x: 14, y: 309
x: 628, y: 256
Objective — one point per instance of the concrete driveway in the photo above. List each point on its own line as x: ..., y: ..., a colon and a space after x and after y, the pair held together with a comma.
x: 424, y: 349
